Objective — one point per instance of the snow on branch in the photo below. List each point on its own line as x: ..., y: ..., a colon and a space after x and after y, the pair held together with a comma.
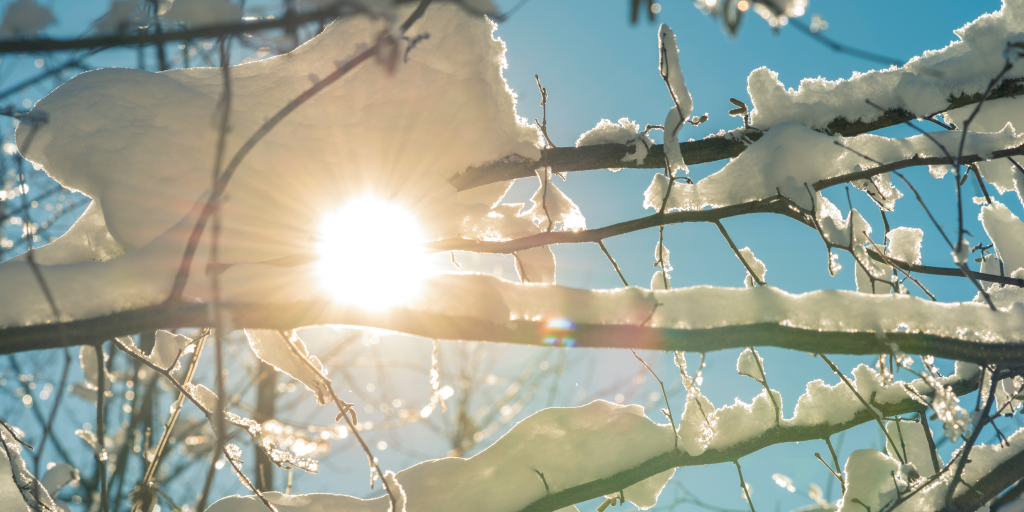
x: 603, y: 449
x: 928, y: 85
x: 697, y: 319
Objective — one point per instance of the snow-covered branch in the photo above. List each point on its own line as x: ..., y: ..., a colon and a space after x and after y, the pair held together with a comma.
x: 697, y: 319
x: 711, y: 149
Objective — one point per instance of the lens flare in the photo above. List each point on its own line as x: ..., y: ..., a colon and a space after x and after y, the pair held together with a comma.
x: 558, y: 332
x: 371, y: 254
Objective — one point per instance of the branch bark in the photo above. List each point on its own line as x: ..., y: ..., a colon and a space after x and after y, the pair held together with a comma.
x: 710, y: 149
x: 522, y: 332
x: 994, y: 482
x: 774, y: 435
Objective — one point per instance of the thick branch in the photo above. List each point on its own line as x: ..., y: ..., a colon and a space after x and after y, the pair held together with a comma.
x: 913, y: 162
x: 710, y: 149
x: 601, y: 156
x: 994, y: 482
x: 774, y: 435
x: 523, y: 332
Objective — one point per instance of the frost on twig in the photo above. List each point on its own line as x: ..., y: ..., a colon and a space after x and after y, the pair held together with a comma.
x: 15, y: 479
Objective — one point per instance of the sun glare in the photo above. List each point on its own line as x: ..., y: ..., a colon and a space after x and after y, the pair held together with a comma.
x: 371, y: 254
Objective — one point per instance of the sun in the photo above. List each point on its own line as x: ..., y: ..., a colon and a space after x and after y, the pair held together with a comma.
x: 371, y: 254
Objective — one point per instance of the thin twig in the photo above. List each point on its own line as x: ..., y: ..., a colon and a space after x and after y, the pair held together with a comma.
x: 965, y: 452
x: 923, y: 416
x: 143, y: 38
x: 218, y: 314
x: 862, y: 401
x: 544, y: 113
x: 181, y: 278
x: 51, y: 301
x: 963, y: 267
x: 838, y: 47
x: 600, y: 243
x: 346, y: 411
x: 166, y: 373
x: 101, y: 453
x: 176, y: 407
x: 736, y: 251
x: 664, y: 395
x: 767, y: 390
x: 743, y: 485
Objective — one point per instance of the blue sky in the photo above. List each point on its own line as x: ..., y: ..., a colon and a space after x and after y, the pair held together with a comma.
x: 595, y: 64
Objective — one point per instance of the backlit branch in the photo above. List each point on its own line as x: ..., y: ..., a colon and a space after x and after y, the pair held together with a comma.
x: 710, y: 149
x: 523, y: 332
x: 774, y: 435
x: 288, y: 21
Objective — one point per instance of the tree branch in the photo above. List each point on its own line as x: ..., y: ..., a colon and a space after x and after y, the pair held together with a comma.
x: 522, y: 332
x: 774, y: 435
x: 289, y: 20
x: 943, y: 271
x: 710, y: 149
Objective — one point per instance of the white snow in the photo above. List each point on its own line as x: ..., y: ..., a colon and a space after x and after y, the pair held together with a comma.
x: 755, y: 265
x: 90, y: 370
x: 570, y: 446
x: 206, y: 397
x: 741, y: 421
x: 881, y: 272
x: 625, y: 132
x: 130, y: 140
x: 910, y: 437
x: 1009, y: 393
x: 107, y: 128
x: 790, y: 155
x: 18, y: 488
x: 905, y: 245
x: 550, y: 205
x: 682, y: 103
x: 503, y: 222
x: 58, y: 476
x: 869, y: 480
x: 273, y: 349
x: 922, y: 86
x: 536, y: 265
x: 983, y: 460
x: 25, y: 18
x: 750, y: 364
x: 673, y: 152
x: 1018, y: 185
x: 824, y: 404
x: 1007, y: 233
x: 992, y: 117
x: 661, y: 280
x: 86, y: 240
x: 167, y: 350
x: 697, y: 425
